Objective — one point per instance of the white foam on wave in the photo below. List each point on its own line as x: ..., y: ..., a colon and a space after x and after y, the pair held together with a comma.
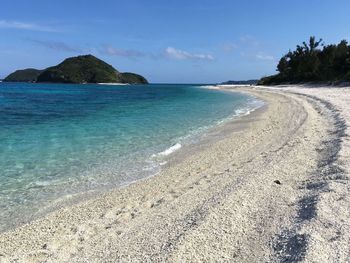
x: 209, y: 87
x: 113, y: 84
x: 170, y: 150
x: 245, y: 110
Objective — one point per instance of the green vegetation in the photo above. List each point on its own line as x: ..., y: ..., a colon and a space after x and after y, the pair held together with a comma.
x: 313, y: 62
x: 80, y: 69
x: 240, y: 82
x: 23, y: 75
x: 132, y: 78
x: 88, y: 69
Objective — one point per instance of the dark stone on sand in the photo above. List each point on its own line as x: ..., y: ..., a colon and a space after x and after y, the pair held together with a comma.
x: 277, y: 182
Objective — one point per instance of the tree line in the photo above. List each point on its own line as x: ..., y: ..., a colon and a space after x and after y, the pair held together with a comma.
x: 313, y: 62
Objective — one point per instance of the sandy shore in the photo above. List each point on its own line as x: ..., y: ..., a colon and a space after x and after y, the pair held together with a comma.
x: 272, y: 186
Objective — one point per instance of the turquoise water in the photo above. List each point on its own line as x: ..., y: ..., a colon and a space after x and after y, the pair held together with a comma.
x: 60, y: 140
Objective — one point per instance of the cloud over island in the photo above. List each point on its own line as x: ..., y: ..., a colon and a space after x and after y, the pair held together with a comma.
x: 112, y: 51
x: 167, y: 53
x: 25, y: 26
x: 173, y: 53
x: 56, y: 45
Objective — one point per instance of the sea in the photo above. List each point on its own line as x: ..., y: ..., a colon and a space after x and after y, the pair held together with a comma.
x: 58, y: 141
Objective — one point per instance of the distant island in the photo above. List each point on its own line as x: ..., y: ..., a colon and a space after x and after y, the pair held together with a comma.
x: 311, y: 64
x: 77, y: 70
x: 24, y: 75
x: 240, y: 82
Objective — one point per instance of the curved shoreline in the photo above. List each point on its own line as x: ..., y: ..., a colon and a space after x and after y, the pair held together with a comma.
x: 58, y: 195
x: 228, y: 199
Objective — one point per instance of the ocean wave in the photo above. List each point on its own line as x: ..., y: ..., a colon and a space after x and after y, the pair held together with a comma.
x: 113, y: 84
x: 209, y: 87
x: 170, y: 150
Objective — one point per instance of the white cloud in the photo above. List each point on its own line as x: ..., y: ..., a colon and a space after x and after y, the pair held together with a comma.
x: 258, y: 56
x: 59, y: 46
x: 262, y: 56
x: 24, y: 26
x: 178, y: 54
x: 249, y: 41
x: 112, y: 51
x: 228, y: 47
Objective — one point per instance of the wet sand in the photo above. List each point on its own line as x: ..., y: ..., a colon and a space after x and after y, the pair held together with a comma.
x: 271, y: 186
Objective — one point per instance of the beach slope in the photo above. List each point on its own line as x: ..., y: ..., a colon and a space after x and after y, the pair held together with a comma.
x: 271, y: 186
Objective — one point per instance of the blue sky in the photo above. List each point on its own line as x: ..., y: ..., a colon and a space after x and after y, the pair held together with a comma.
x: 179, y: 41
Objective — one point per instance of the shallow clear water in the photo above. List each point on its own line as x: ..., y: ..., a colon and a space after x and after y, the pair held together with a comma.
x: 57, y: 140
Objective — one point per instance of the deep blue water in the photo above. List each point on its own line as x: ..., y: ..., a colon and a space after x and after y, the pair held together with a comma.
x: 59, y: 140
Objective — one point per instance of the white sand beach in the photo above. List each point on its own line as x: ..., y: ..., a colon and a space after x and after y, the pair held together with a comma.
x: 271, y: 186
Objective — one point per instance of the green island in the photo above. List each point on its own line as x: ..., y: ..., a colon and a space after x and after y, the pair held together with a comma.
x: 24, y: 75
x: 240, y: 82
x: 313, y: 62
x: 77, y: 70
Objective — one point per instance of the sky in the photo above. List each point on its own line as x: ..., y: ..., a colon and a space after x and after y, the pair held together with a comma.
x: 206, y: 41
